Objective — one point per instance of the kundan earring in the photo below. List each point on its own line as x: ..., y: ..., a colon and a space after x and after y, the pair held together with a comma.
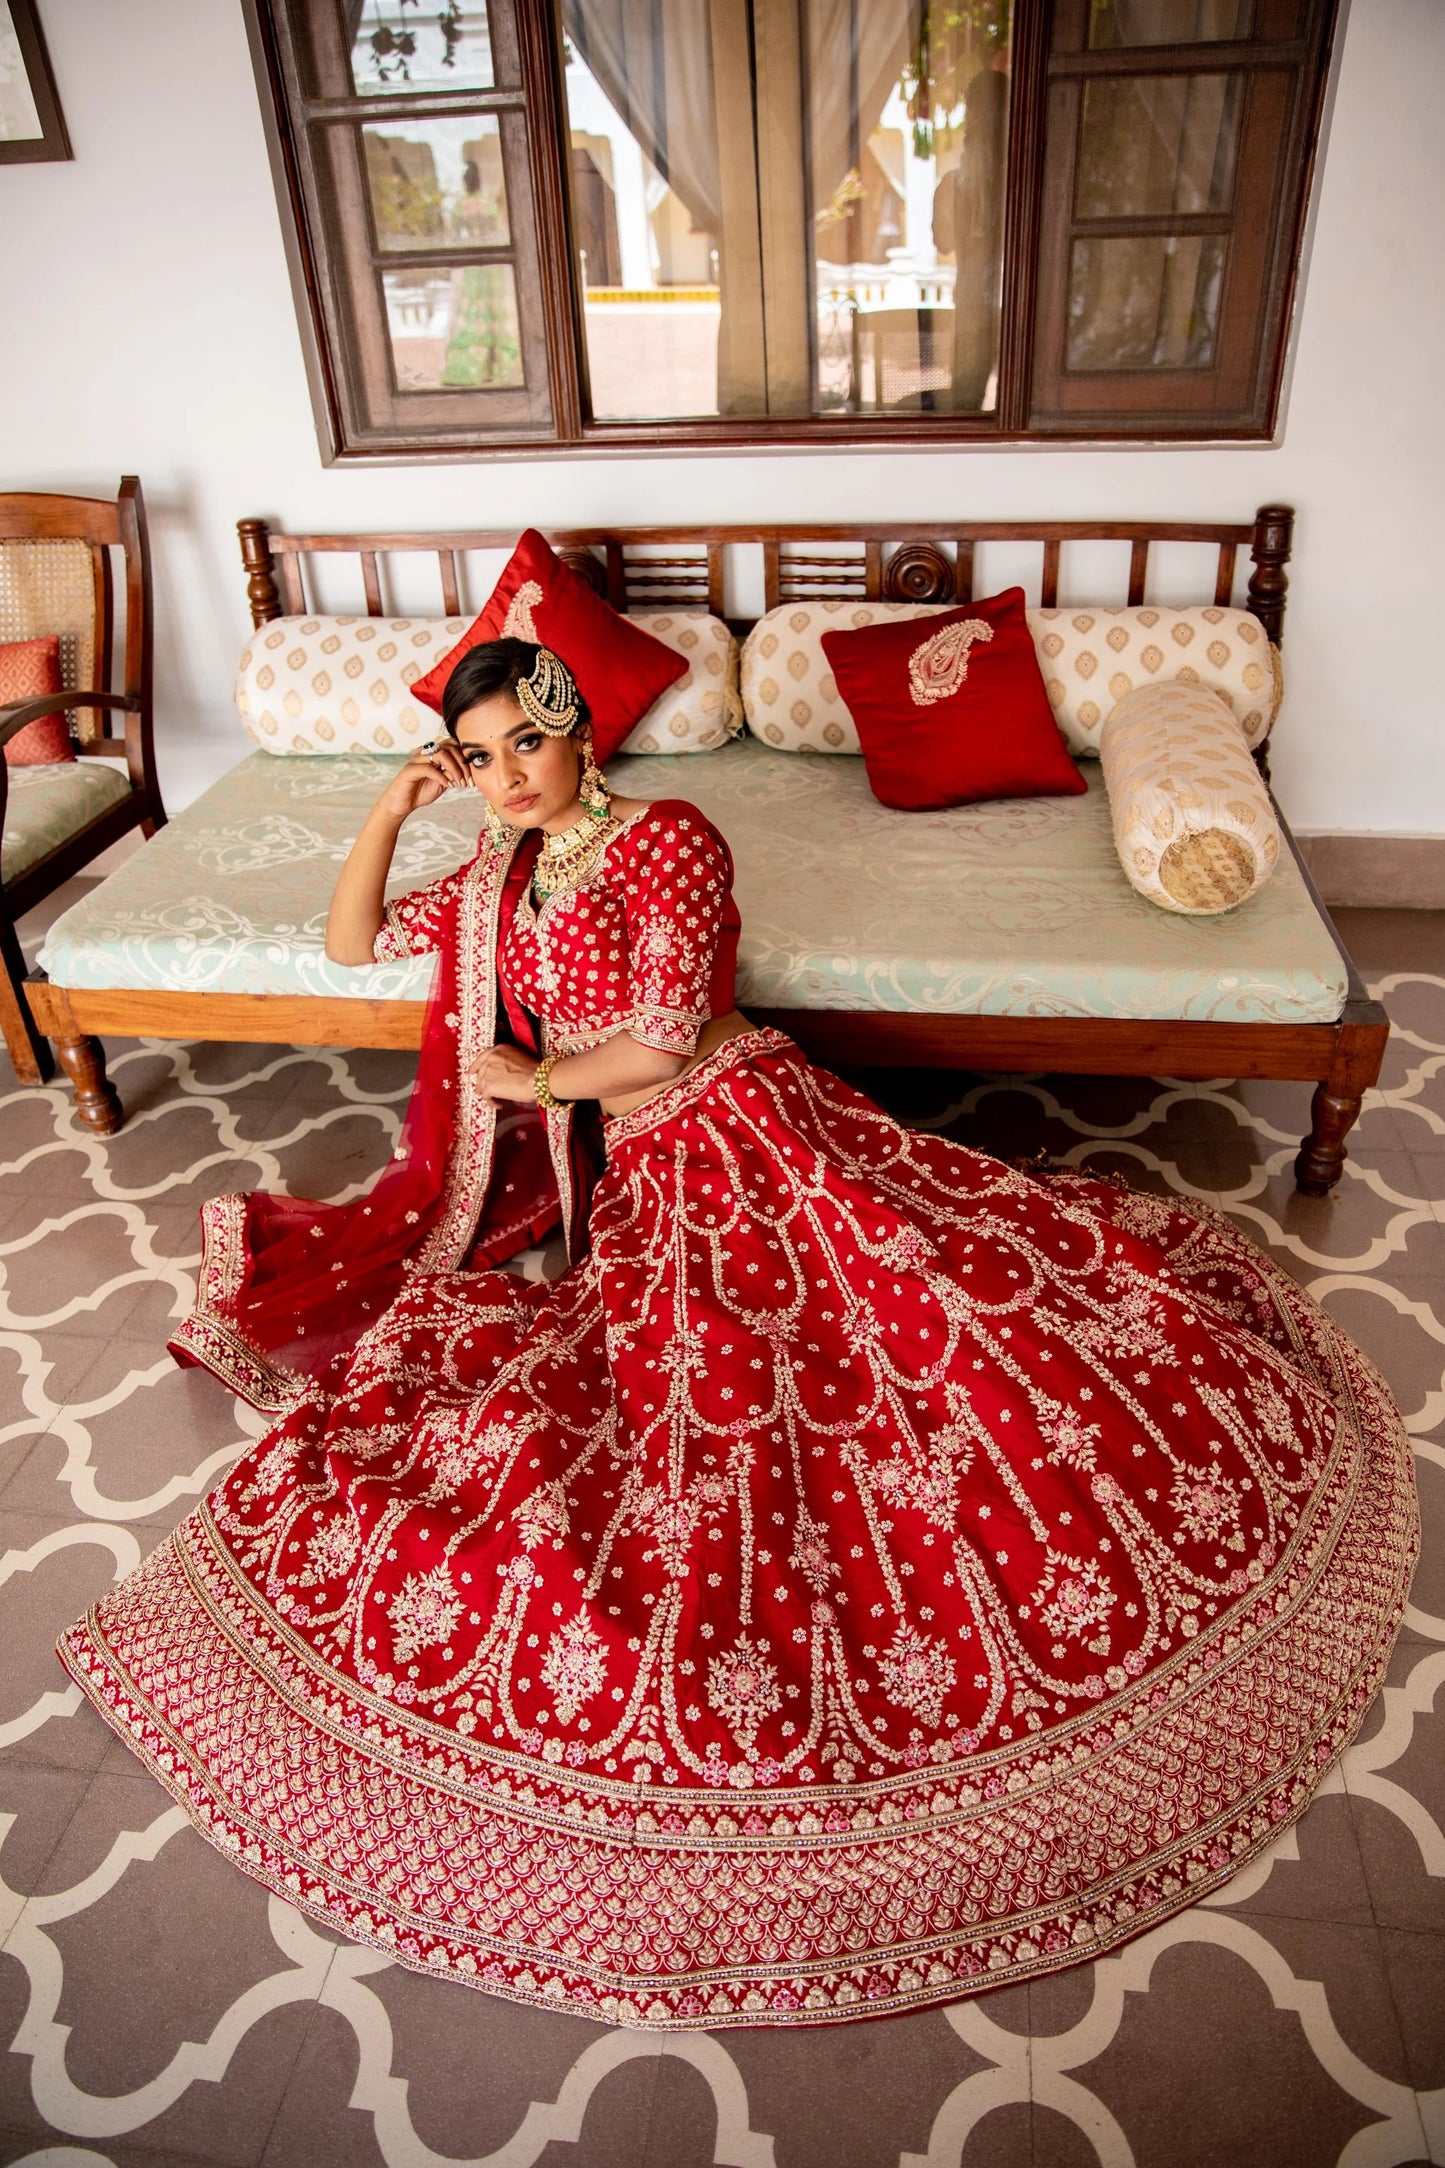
x: 591, y: 786
x: 497, y: 828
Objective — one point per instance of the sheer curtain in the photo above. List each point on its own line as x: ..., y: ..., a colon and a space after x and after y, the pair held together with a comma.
x: 751, y: 111
x: 669, y: 68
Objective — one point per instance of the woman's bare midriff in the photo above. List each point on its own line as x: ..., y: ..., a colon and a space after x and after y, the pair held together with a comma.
x: 714, y: 1035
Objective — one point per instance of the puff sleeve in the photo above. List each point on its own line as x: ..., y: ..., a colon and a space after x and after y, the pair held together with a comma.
x: 676, y: 888
x: 412, y: 924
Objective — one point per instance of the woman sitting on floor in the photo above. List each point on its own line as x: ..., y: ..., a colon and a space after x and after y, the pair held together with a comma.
x: 867, y: 1575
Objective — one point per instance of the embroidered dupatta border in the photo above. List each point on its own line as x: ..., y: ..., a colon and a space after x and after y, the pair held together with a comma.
x: 469, y: 1171
x: 207, y: 1336
x: 469, y: 1165
x: 211, y: 1336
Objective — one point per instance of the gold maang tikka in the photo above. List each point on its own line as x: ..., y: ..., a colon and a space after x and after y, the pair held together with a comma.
x: 548, y: 698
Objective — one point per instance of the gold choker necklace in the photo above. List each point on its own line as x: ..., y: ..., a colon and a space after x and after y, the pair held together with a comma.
x: 566, y: 859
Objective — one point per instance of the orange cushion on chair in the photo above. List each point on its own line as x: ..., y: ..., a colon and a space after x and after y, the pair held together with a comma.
x: 952, y: 708
x: 28, y: 670
x: 619, y: 668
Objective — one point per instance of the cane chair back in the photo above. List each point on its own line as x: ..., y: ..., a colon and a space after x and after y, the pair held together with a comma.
x: 56, y: 577
x: 61, y: 584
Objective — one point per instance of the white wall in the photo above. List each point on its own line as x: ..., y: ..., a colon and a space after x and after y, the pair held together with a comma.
x: 164, y: 231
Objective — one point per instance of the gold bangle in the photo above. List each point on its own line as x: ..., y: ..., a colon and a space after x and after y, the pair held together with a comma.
x: 542, y: 1082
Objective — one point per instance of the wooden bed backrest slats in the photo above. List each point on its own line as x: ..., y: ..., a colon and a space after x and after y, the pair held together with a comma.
x: 684, y: 567
x: 451, y: 592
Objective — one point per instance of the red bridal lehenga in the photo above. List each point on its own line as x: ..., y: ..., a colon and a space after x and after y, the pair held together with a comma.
x: 871, y: 1574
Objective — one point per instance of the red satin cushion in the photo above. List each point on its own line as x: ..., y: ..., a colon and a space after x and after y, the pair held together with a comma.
x: 28, y: 670
x: 951, y: 709
x: 619, y: 668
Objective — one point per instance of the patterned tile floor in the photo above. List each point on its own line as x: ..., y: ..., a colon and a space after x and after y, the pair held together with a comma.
x: 158, y: 2007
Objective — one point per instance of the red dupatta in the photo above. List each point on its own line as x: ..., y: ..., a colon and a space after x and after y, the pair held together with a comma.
x: 287, y: 1287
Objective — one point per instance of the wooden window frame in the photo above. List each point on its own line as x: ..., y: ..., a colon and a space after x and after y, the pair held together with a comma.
x: 1237, y: 398
x: 52, y: 145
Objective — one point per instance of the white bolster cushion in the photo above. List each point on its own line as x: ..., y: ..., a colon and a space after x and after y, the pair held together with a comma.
x: 1090, y: 658
x: 1193, y: 824
x: 343, y: 684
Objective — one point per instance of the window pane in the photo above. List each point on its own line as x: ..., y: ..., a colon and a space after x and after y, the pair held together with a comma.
x: 647, y: 187
x: 743, y: 271
x: 397, y: 47
x: 1149, y: 301
x: 1168, y: 22
x: 908, y: 163
x: 19, y: 120
x: 454, y: 330
x: 1156, y: 144
x: 437, y: 181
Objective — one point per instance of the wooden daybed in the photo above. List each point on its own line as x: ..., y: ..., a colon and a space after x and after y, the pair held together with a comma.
x: 1340, y: 1051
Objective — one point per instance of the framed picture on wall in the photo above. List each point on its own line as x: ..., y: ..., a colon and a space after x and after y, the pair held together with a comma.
x: 31, y: 126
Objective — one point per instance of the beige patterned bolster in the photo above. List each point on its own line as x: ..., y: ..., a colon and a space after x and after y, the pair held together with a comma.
x: 343, y: 684
x: 1193, y: 824
x: 1092, y: 658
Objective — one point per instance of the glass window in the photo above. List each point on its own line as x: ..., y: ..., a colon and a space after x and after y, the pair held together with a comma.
x: 1156, y: 145
x: 19, y: 115
x: 851, y: 267
x: 1144, y: 301
x: 437, y: 182
x: 646, y: 218
x: 909, y: 167
x: 397, y: 47
x: 454, y: 329
x: 563, y: 222
x: 1168, y: 22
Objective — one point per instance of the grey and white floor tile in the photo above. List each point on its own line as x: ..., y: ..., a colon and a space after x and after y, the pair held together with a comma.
x: 156, y: 2007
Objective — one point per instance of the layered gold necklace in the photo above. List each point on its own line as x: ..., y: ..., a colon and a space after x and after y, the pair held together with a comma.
x: 566, y: 859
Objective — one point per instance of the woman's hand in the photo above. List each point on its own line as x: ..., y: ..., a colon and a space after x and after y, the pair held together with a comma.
x: 504, y: 1074
x: 427, y: 776
x: 359, y: 903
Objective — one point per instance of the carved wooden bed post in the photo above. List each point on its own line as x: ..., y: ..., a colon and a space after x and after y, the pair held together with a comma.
x: 1268, y: 588
x: 261, y: 590
x: 1364, y: 1026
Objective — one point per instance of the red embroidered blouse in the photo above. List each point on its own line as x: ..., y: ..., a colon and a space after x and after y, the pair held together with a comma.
x: 647, y: 944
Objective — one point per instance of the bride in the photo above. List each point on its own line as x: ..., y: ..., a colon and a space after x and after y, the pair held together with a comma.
x: 869, y: 1575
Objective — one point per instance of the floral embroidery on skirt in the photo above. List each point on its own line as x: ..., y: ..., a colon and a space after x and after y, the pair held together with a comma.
x: 873, y: 1574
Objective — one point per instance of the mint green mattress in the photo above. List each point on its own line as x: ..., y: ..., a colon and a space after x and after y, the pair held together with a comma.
x: 47, y: 803
x: 1018, y: 908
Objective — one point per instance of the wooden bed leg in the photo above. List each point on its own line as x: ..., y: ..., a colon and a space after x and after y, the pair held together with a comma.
x: 1322, y: 1153
x: 29, y: 1049
x: 1335, y: 1108
x: 97, y: 1101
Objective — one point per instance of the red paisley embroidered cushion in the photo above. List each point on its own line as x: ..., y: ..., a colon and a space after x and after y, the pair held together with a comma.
x: 28, y: 670
x: 952, y: 709
x: 620, y: 668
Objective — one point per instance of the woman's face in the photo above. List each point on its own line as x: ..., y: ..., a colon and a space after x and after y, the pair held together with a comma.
x: 529, y: 778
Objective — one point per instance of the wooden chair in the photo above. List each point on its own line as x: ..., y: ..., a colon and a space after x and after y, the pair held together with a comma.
x: 55, y: 576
